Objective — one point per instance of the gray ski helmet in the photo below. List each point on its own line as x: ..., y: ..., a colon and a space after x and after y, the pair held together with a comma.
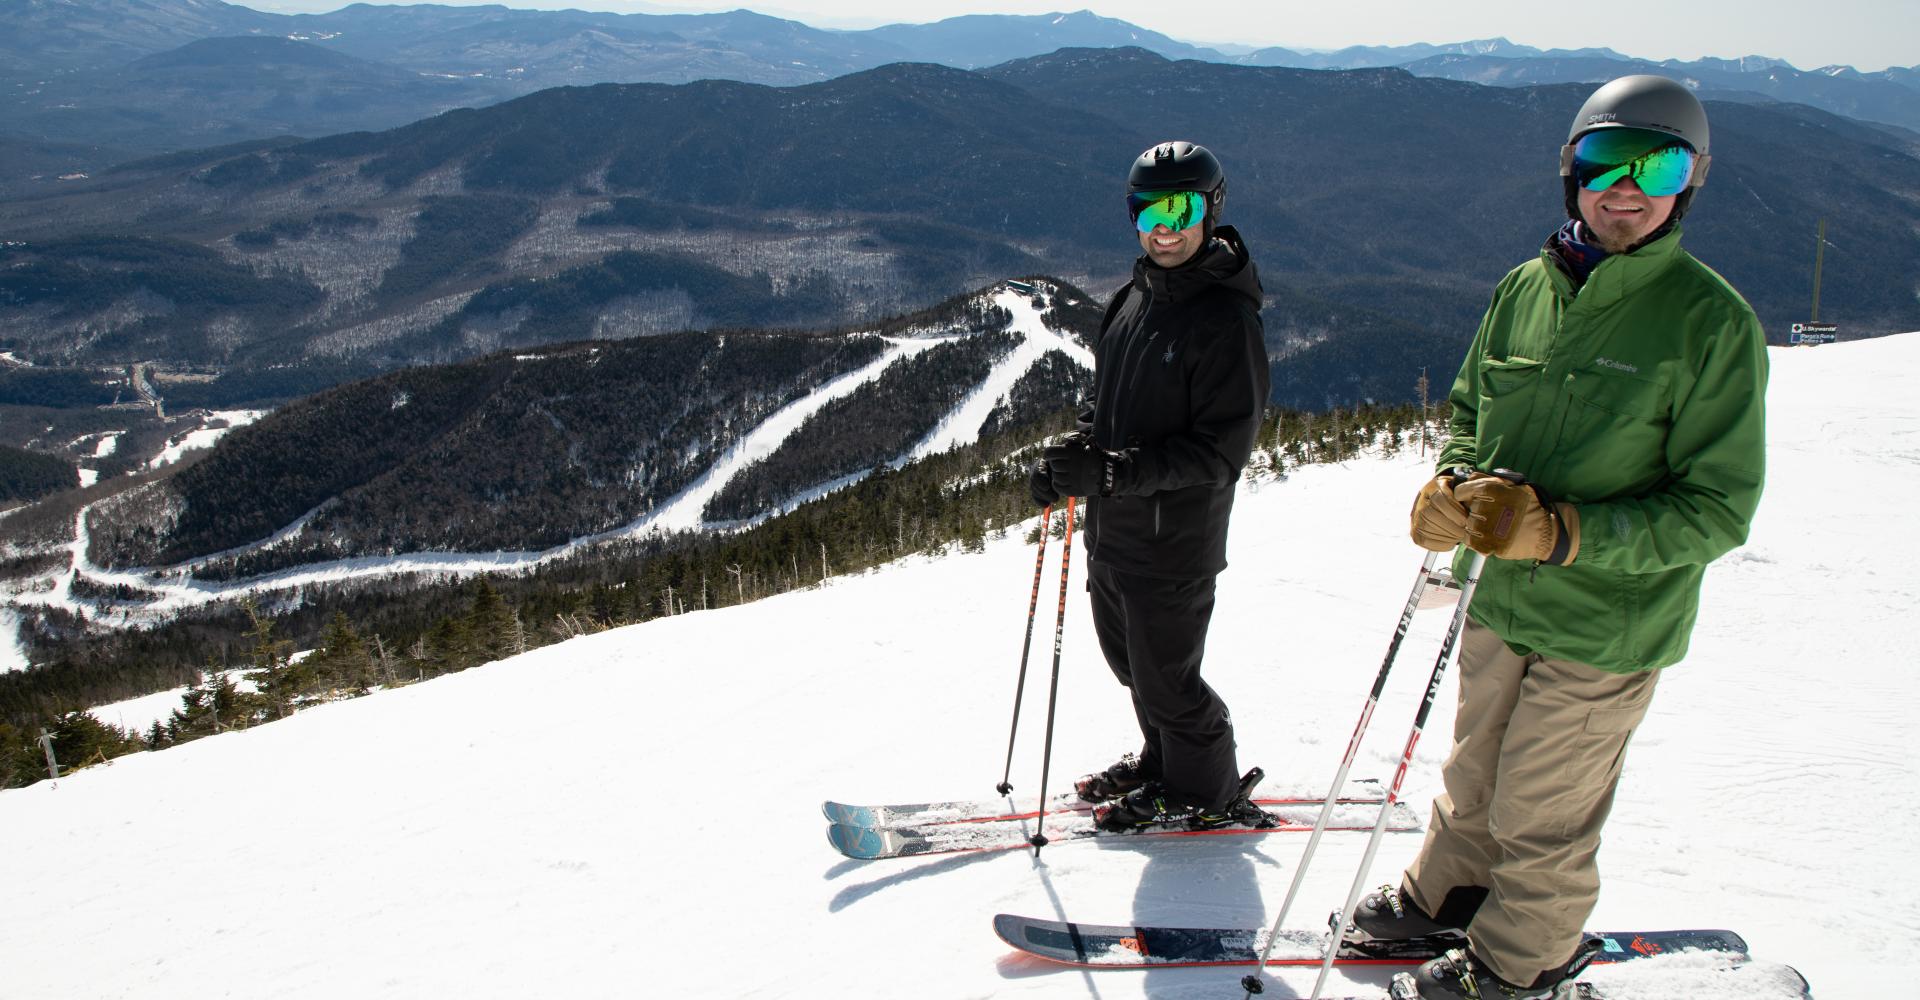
x: 1644, y: 102
x: 1181, y: 166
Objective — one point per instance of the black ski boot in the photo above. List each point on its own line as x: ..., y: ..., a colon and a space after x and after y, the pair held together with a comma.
x: 1124, y: 776
x: 1392, y: 915
x: 1460, y: 975
x: 1149, y: 807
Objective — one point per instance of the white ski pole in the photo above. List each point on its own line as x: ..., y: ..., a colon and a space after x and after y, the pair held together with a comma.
x: 1252, y: 981
x: 1400, y: 774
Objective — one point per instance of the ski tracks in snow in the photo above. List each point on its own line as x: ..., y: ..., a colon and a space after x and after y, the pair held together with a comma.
x: 962, y: 425
x: 684, y: 512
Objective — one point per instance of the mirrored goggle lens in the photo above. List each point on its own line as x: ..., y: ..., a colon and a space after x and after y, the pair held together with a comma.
x: 1175, y: 210
x: 1660, y: 164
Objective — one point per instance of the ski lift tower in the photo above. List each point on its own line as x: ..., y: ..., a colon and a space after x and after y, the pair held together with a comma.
x: 1813, y: 331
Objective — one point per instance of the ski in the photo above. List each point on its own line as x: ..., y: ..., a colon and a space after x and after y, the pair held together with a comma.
x: 1137, y: 947
x: 869, y: 843
x: 1726, y: 980
x: 997, y: 810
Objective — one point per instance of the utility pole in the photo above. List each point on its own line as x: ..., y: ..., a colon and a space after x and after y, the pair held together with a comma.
x: 1819, y: 258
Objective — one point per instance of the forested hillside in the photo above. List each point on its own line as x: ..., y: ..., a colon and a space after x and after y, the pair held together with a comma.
x: 631, y: 210
x: 512, y: 451
x: 407, y: 629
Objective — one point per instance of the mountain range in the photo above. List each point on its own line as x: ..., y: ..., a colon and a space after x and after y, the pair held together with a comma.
x: 1380, y: 208
x: 618, y: 284
x: 145, y: 76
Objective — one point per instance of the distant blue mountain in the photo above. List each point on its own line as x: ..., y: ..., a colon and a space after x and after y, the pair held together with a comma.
x: 62, y: 56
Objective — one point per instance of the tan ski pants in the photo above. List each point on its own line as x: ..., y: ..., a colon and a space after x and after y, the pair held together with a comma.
x: 1538, y: 745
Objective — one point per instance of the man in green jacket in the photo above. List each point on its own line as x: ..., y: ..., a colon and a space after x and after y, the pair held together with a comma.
x: 1618, y: 386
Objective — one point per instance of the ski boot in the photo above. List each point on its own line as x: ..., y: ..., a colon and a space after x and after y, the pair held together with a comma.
x: 1460, y: 975
x: 1391, y: 915
x: 1149, y: 807
x: 1124, y: 776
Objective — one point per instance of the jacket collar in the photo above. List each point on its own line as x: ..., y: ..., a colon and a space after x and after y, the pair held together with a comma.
x: 1223, y: 261
x: 1619, y: 274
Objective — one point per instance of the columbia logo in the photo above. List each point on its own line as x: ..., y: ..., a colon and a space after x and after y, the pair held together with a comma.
x: 1619, y: 366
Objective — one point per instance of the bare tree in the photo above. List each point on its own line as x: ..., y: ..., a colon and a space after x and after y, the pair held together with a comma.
x: 1422, y: 387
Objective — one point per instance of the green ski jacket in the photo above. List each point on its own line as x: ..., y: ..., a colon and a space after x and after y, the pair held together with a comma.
x: 1640, y: 400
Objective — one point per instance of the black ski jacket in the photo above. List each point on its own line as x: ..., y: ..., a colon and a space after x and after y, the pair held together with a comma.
x: 1180, y: 385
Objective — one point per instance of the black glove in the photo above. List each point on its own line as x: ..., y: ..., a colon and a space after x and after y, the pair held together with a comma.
x: 1078, y: 469
x: 1040, y: 483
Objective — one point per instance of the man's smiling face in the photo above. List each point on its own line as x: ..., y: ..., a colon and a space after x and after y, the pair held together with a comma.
x: 1171, y: 248
x: 1622, y: 215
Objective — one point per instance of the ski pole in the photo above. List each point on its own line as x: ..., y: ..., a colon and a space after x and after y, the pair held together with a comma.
x: 1252, y: 981
x: 1039, y: 838
x: 1400, y: 774
x: 1005, y: 787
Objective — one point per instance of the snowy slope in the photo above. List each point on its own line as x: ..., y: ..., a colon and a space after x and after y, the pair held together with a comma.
x: 657, y: 833
x: 175, y: 588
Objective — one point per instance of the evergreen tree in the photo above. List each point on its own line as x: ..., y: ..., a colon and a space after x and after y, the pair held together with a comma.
x: 343, y: 662
x: 447, y: 648
x: 17, y: 757
x: 489, y: 624
x: 80, y: 740
x: 280, y: 681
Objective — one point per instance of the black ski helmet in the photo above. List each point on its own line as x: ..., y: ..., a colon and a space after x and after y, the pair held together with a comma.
x: 1181, y: 166
x: 1647, y: 102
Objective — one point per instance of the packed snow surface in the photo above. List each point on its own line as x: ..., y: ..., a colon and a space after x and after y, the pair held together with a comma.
x: 636, y: 813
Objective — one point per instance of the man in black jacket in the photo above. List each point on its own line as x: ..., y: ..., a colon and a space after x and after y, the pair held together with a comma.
x: 1180, y: 384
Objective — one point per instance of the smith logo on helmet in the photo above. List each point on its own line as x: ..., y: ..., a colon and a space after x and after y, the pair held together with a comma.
x: 1606, y: 117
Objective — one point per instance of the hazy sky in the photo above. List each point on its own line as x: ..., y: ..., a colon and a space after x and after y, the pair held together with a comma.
x: 1866, y: 34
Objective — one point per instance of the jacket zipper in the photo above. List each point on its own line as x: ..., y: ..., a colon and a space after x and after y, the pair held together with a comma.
x: 1128, y: 359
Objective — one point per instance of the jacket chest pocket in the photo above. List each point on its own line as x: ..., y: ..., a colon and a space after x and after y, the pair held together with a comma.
x: 1616, y: 433
x: 1505, y: 400
x: 1156, y: 400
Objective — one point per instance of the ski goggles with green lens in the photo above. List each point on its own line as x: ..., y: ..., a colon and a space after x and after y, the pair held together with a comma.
x: 1657, y: 161
x: 1175, y: 210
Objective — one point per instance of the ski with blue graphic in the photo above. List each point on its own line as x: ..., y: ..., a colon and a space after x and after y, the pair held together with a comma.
x: 872, y: 843
x: 996, y: 810
x: 1143, y: 947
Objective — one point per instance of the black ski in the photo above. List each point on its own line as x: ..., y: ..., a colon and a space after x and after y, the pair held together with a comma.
x: 1142, y: 947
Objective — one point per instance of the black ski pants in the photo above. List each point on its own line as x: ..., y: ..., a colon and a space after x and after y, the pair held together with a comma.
x: 1153, y: 633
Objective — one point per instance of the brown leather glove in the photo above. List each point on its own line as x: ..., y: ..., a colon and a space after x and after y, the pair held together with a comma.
x: 1508, y: 519
x: 1439, y: 522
